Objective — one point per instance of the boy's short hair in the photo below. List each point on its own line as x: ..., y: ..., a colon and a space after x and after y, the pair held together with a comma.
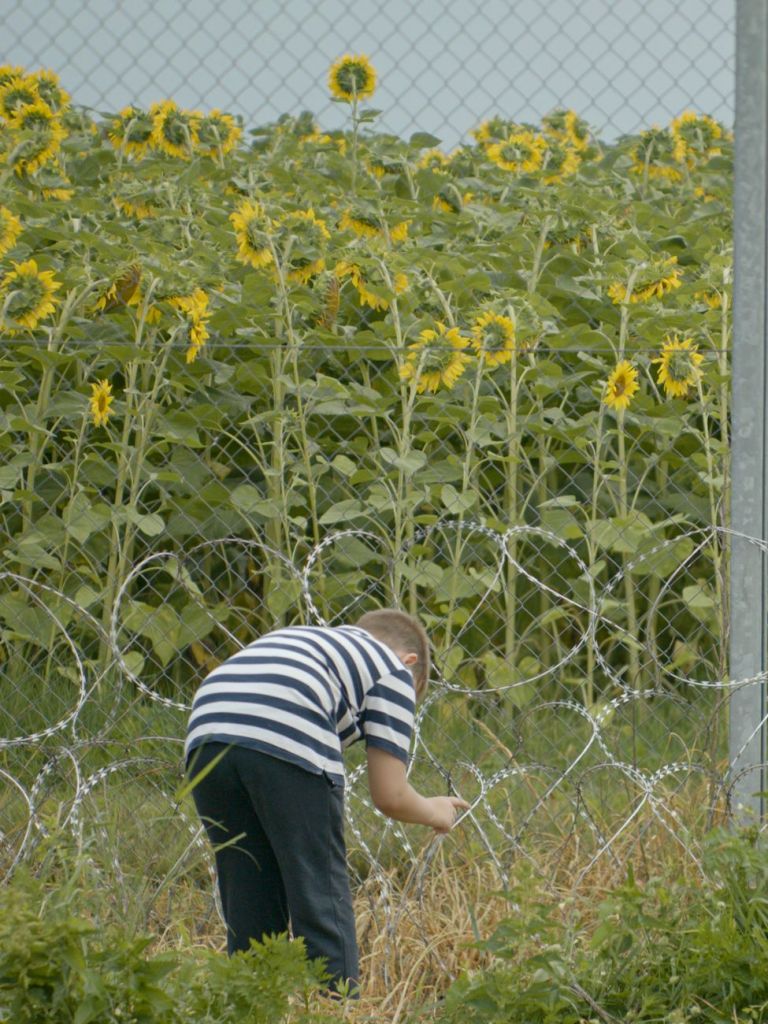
x: 402, y: 633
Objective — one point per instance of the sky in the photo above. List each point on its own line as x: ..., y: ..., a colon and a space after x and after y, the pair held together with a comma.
x: 442, y: 65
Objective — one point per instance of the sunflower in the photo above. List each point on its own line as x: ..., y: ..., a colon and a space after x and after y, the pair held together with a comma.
x: 10, y: 229
x: 621, y: 386
x: 352, y: 78
x: 100, y: 402
x: 9, y: 71
x: 521, y: 152
x: 365, y: 281
x: 711, y: 297
x: 695, y: 135
x: 131, y: 131
x: 217, y: 133
x: 654, y: 155
x: 42, y: 134
x: 174, y: 131
x: 123, y: 290
x: 560, y: 162
x: 566, y: 127
x: 136, y: 207
x: 434, y: 160
x: 494, y: 337
x: 679, y: 364
x: 195, y: 309
x: 655, y: 281
x: 369, y: 225
x: 300, y: 238
x: 50, y: 90
x: 252, y: 231
x: 437, y: 358
x: 495, y: 129
x: 26, y: 296
x: 16, y: 93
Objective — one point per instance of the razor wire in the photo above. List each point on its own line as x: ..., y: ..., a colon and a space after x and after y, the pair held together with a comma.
x: 505, y: 832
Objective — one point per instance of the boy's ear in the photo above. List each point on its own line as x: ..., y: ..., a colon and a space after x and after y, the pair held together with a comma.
x: 409, y: 659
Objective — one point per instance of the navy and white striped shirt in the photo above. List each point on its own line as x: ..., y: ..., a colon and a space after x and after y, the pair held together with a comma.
x: 303, y: 694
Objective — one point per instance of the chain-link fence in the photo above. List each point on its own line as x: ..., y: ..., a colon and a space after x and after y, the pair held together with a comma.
x: 338, y: 370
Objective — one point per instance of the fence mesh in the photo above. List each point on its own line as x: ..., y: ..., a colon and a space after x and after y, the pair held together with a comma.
x: 337, y: 370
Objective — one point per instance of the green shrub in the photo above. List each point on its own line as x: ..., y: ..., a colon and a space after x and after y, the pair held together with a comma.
x: 58, y: 967
x: 672, y: 949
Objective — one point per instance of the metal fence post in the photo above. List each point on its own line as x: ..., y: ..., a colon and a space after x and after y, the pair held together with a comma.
x: 749, y: 586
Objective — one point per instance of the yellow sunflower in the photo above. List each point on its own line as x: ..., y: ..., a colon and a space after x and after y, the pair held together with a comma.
x: 131, y: 131
x: 10, y: 229
x: 652, y: 282
x: 696, y: 136
x: 560, y: 162
x: 100, y: 402
x: 174, y: 131
x: 26, y: 296
x: 621, y: 386
x: 252, y: 231
x: 41, y: 137
x: 494, y: 336
x: 450, y: 200
x: 195, y: 309
x: 654, y: 155
x: 371, y: 225
x: 365, y: 281
x: 352, y: 78
x: 712, y: 298
x: 300, y: 238
x: 679, y: 364
x: 9, y: 71
x: 521, y: 152
x: 123, y: 290
x: 495, y: 129
x: 16, y: 93
x: 434, y: 160
x: 566, y: 127
x: 217, y: 133
x: 438, y: 357
x: 50, y: 90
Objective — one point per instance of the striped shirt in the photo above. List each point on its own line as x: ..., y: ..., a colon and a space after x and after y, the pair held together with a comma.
x: 305, y: 693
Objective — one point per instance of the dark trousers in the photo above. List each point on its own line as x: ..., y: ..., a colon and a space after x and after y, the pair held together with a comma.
x: 278, y: 837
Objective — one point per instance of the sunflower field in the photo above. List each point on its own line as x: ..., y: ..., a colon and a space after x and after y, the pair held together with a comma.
x: 263, y: 375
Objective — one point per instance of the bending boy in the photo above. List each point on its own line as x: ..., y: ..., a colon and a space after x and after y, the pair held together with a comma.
x: 277, y: 715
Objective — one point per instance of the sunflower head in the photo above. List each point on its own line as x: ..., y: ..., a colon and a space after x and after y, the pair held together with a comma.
x: 566, y: 127
x: 300, y: 238
x: 654, y: 155
x: 50, y: 90
x: 174, y: 131
x: 27, y: 296
x: 434, y: 160
x: 520, y: 153
x: 194, y: 310
x: 100, y: 402
x: 217, y: 133
x: 621, y: 386
x: 437, y: 358
x: 9, y: 71
x: 697, y: 137
x: 352, y: 78
x: 41, y: 134
x: 493, y: 336
x: 679, y: 366
x: 17, y: 92
x: 10, y: 229
x: 654, y: 280
x: 131, y: 131
x: 253, y: 231
x: 560, y: 161
x: 495, y: 129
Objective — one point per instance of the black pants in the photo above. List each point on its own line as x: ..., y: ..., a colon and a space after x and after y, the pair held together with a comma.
x: 278, y: 837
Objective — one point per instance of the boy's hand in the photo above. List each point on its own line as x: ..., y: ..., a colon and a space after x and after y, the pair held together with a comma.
x: 445, y: 811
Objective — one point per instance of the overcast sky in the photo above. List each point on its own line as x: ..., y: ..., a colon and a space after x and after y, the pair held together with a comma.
x: 622, y: 64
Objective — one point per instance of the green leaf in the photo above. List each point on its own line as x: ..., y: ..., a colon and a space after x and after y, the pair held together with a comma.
x: 423, y: 140
x: 251, y: 502
x: 342, y: 511
x: 150, y: 524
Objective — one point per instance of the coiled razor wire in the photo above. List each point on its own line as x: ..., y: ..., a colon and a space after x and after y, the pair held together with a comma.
x: 64, y: 742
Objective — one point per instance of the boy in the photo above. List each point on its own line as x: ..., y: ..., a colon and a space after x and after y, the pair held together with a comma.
x: 271, y: 721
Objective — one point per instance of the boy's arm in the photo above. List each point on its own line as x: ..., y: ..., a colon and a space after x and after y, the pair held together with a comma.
x: 394, y: 796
